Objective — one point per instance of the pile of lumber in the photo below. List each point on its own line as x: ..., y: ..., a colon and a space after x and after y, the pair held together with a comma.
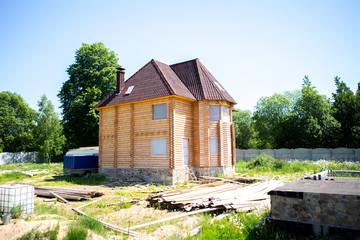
x: 219, y: 195
x: 67, y: 193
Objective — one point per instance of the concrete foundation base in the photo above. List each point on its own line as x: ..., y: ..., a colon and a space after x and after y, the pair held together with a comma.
x: 166, y: 176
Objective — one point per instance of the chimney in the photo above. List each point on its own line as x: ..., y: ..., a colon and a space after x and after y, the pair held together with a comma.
x: 120, y: 79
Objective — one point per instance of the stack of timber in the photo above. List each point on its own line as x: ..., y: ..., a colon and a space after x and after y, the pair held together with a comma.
x: 219, y: 195
x: 67, y: 193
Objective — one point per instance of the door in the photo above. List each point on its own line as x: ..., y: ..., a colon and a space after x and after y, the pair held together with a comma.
x: 186, y: 151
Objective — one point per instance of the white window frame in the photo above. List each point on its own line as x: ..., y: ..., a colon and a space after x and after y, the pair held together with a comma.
x: 225, y: 116
x: 158, y: 147
x: 211, y: 110
x: 154, y: 111
x: 214, y: 146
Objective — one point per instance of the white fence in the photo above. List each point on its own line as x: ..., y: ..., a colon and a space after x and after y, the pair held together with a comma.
x: 19, y: 157
x: 338, y: 154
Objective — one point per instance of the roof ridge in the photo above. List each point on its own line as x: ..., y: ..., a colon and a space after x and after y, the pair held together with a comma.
x: 202, y: 82
x: 195, y: 59
x: 155, y: 63
x: 205, y: 72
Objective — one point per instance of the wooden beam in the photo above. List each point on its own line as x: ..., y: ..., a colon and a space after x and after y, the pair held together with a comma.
x: 58, y: 197
x: 173, y: 217
x: 113, y: 227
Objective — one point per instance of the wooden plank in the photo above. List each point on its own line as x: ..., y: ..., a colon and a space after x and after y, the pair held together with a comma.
x: 58, y: 197
x: 173, y: 217
x: 113, y: 227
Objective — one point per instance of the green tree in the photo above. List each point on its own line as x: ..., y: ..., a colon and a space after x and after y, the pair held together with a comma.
x: 272, y: 117
x: 316, y: 126
x: 49, y: 137
x: 91, y: 78
x: 244, y: 129
x: 17, y: 121
x: 356, y: 128
x: 344, y: 110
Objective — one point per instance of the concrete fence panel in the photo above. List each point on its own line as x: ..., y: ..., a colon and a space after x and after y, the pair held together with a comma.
x: 343, y: 154
x: 302, y: 154
x: 270, y: 152
x: 251, y: 153
x: 284, y: 154
x: 357, y: 155
x: 240, y: 154
x: 338, y: 154
x: 19, y: 157
x: 321, y: 154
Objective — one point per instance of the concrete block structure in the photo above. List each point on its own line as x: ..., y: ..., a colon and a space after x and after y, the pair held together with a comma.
x: 164, y: 119
x: 330, y: 206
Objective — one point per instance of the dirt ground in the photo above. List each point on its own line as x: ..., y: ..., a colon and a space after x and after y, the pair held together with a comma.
x: 108, y: 208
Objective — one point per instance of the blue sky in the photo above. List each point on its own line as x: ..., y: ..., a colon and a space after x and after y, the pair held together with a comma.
x: 254, y: 48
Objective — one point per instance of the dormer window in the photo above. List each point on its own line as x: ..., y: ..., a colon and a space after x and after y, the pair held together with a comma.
x: 129, y: 90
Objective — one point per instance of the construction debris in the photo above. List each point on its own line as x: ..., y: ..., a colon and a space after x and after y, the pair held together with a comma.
x: 111, y: 226
x: 67, y: 193
x: 218, y: 195
x: 35, y: 172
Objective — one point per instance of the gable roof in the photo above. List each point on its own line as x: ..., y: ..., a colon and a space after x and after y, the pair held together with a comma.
x: 188, y: 79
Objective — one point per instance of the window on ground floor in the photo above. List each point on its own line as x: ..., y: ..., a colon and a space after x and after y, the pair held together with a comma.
x: 214, y: 146
x: 158, y: 147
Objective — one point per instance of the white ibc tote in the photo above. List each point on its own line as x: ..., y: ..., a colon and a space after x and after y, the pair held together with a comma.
x: 15, y: 195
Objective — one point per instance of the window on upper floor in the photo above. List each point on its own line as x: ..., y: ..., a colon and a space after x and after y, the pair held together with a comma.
x: 159, y: 111
x: 214, y: 113
x: 225, y: 114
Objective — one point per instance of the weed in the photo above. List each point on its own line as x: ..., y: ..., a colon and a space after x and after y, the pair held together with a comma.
x: 17, y: 210
x: 35, y: 234
x: 125, y: 205
x: 46, y: 209
x: 92, y: 224
x: 76, y: 233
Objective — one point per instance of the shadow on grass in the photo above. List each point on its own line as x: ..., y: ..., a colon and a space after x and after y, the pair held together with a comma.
x: 92, y: 180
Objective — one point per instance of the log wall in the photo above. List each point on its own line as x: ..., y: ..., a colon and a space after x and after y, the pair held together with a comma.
x: 126, y: 132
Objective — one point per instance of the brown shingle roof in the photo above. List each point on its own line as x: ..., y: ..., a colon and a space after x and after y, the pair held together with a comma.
x: 188, y: 79
x: 201, y: 83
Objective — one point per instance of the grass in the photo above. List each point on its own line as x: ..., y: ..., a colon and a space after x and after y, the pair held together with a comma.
x: 35, y: 234
x: 76, y: 233
x: 31, y: 166
x: 264, y: 165
x: 14, y: 176
x: 41, y: 209
x: 238, y: 226
x: 70, y: 180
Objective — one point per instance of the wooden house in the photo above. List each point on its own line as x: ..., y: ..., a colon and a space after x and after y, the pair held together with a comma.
x: 163, y: 120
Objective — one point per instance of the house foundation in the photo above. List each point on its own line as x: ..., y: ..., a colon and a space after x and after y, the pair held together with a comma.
x: 166, y: 176
x: 330, y: 206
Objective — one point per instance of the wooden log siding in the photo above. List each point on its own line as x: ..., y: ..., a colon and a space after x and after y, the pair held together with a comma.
x: 147, y: 129
x: 125, y: 146
x: 183, y: 129
x: 126, y: 132
x: 107, y: 156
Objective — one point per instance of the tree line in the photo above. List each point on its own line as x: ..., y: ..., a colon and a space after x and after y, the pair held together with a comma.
x: 22, y: 129
x: 302, y: 119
